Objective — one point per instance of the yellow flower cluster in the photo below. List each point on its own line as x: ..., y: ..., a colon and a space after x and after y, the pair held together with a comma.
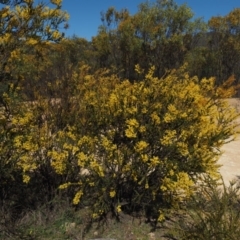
x: 181, y: 188
x: 118, y: 208
x: 112, y: 193
x: 56, y: 2
x: 58, y: 160
x: 140, y: 146
x: 32, y: 41
x: 132, y: 125
x: 155, y: 118
x: 77, y: 197
x: 169, y: 137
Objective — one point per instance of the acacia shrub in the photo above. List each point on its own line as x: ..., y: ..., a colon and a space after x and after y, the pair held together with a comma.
x: 140, y: 146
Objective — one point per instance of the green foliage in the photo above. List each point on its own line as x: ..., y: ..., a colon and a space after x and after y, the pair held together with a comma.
x: 217, y: 52
x: 213, y: 213
x: 160, y: 34
x: 52, y: 220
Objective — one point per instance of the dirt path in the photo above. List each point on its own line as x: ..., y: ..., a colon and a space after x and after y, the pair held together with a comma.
x: 230, y: 160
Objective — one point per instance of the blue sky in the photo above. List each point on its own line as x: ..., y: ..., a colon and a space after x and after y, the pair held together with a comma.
x: 85, y: 14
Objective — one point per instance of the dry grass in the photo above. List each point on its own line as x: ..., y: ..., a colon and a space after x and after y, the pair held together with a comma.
x: 67, y: 223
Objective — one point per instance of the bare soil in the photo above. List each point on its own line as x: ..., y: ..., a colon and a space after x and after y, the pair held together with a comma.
x: 230, y: 159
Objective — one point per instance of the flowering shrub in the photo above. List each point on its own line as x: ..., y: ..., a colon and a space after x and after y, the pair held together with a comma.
x: 125, y: 146
x: 140, y: 145
x: 119, y: 145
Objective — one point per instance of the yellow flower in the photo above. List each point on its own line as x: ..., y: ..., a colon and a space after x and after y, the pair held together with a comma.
x: 56, y: 2
x: 113, y: 100
x: 144, y: 110
x: 169, y: 137
x: 18, y: 141
x: 112, y: 193
x: 140, y: 146
x: 56, y: 35
x: 26, y: 178
x: 118, y: 208
x: 100, y: 171
x: 168, y: 118
x: 132, y: 122
x: 77, y: 197
x: 155, y: 118
x: 161, y: 216
x: 32, y: 41
x: 95, y: 215
x: 5, y: 12
x: 172, y: 109
x: 154, y: 161
x: 27, y: 146
x: 127, y: 167
x: 142, y: 129
x: 64, y: 186
x: 130, y: 132
x: 183, y: 148
x: 171, y: 172
x: 134, y: 176
x: 144, y: 157
x: 15, y: 54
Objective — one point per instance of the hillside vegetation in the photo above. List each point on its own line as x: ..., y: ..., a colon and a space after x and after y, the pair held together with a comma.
x: 126, y: 126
